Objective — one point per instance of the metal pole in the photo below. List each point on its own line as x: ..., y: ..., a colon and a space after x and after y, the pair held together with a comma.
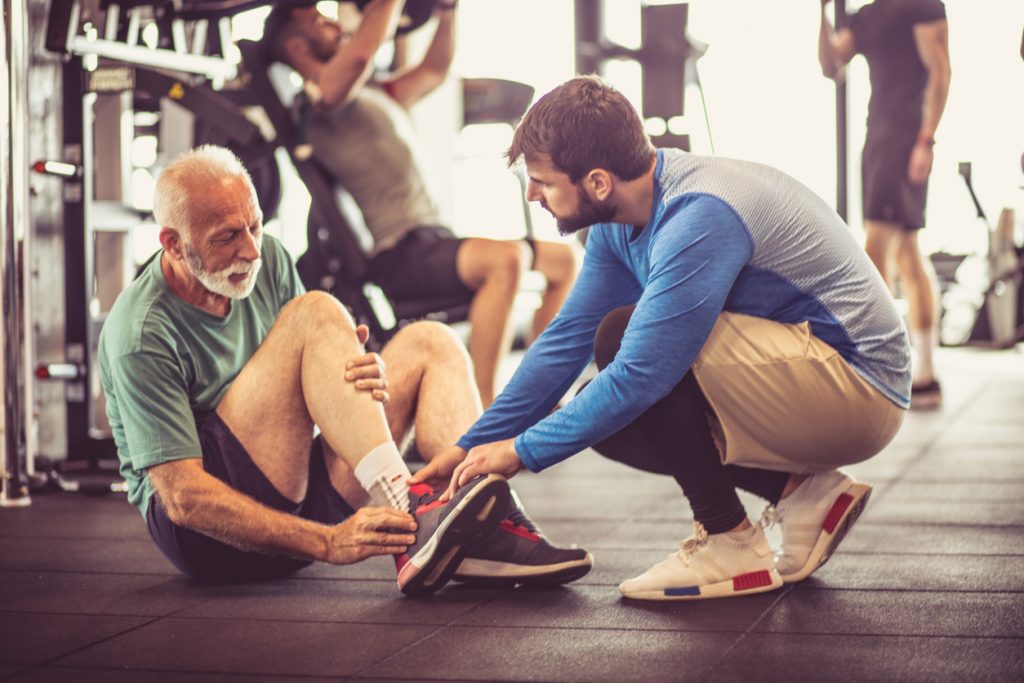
x: 14, y: 167
x: 842, y: 129
x: 589, y: 35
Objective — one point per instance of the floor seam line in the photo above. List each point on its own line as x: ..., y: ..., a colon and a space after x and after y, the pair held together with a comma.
x: 430, y: 634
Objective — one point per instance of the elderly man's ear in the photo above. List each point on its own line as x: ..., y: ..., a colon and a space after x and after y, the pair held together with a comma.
x: 170, y: 240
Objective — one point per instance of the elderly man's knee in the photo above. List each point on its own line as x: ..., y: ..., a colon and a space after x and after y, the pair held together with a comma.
x: 316, y: 309
x: 609, y: 335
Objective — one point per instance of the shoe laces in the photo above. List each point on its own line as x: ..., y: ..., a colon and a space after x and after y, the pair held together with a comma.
x: 694, y: 543
x: 518, y: 516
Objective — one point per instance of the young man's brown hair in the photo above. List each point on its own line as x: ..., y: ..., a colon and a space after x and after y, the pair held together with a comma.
x: 585, y: 124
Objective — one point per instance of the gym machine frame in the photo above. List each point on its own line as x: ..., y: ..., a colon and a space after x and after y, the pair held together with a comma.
x: 90, y: 453
x: 212, y: 89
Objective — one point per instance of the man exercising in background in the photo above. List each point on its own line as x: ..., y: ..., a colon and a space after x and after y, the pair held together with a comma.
x: 362, y: 133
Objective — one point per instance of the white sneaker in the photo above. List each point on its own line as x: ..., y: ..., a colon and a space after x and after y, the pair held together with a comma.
x: 814, y: 519
x: 708, y: 566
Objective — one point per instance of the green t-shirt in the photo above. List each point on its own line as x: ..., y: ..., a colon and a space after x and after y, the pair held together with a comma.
x: 166, y: 364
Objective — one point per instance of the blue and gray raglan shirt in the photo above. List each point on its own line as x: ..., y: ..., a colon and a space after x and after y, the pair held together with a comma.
x: 724, y: 235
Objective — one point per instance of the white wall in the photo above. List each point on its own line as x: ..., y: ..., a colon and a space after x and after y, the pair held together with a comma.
x: 767, y: 100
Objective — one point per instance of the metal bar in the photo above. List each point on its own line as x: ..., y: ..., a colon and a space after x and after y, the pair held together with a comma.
x: 14, y: 167
x: 199, y: 31
x: 209, y: 106
x: 110, y: 22
x: 842, y: 129
x: 77, y: 131
x: 589, y: 34
x: 211, y: 67
x: 62, y: 24
x: 178, y: 36
x: 134, y: 28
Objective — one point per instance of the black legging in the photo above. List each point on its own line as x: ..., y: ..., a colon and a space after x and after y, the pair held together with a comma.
x: 673, y: 438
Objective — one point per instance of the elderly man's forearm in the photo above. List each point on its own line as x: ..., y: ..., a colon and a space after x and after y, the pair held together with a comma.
x: 219, y: 511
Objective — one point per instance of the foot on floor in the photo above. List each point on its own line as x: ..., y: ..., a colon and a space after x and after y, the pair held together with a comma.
x: 926, y: 396
x: 447, y: 531
x: 814, y: 520
x: 709, y: 566
x: 517, y: 552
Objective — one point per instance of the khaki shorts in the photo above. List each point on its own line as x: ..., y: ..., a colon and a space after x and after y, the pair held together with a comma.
x: 785, y: 400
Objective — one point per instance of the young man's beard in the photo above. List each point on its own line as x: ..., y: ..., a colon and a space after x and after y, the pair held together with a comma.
x: 219, y: 282
x: 588, y: 213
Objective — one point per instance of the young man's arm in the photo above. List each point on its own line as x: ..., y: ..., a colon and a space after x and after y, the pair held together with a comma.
x: 552, y: 363
x: 197, y: 500
x: 340, y: 78
x: 932, y: 42
x: 835, y: 48
x: 694, y: 262
x: 413, y: 84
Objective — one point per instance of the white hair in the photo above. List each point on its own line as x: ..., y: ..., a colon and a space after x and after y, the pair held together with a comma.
x: 198, y: 170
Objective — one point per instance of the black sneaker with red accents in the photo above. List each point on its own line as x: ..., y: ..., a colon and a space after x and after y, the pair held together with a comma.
x: 447, y: 531
x: 517, y: 552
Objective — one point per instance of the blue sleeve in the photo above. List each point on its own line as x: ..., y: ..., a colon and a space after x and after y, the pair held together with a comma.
x: 558, y: 356
x: 699, y: 250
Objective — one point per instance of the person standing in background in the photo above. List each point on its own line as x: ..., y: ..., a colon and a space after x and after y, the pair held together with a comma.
x: 906, y: 46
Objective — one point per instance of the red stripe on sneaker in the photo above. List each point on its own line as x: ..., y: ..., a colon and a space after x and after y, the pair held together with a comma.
x: 836, y: 513
x: 522, y: 531
x: 400, y: 561
x: 752, y: 580
x: 420, y: 489
x: 429, y: 506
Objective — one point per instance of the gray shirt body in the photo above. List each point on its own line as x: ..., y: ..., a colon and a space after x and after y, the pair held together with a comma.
x: 370, y: 147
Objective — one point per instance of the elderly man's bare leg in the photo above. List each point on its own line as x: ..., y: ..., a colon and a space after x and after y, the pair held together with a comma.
x: 430, y: 380
x: 296, y: 380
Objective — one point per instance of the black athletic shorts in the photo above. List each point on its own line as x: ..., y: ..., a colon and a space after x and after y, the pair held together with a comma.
x: 887, y: 193
x: 423, y: 265
x: 202, y: 557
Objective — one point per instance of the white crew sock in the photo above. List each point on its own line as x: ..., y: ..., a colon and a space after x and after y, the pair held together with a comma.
x: 384, y: 475
x: 924, y: 343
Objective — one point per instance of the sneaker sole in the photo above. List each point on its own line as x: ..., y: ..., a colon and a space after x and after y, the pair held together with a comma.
x: 761, y: 581
x: 490, y: 572
x: 926, y: 402
x: 474, y: 518
x: 840, y: 519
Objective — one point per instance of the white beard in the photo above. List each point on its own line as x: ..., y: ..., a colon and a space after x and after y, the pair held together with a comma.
x: 219, y: 282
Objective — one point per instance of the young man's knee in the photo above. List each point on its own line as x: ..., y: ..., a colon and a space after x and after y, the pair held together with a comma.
x: 609, y: 335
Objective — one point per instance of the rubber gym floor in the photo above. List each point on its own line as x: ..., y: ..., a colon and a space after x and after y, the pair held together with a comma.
x: 929, y: 586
